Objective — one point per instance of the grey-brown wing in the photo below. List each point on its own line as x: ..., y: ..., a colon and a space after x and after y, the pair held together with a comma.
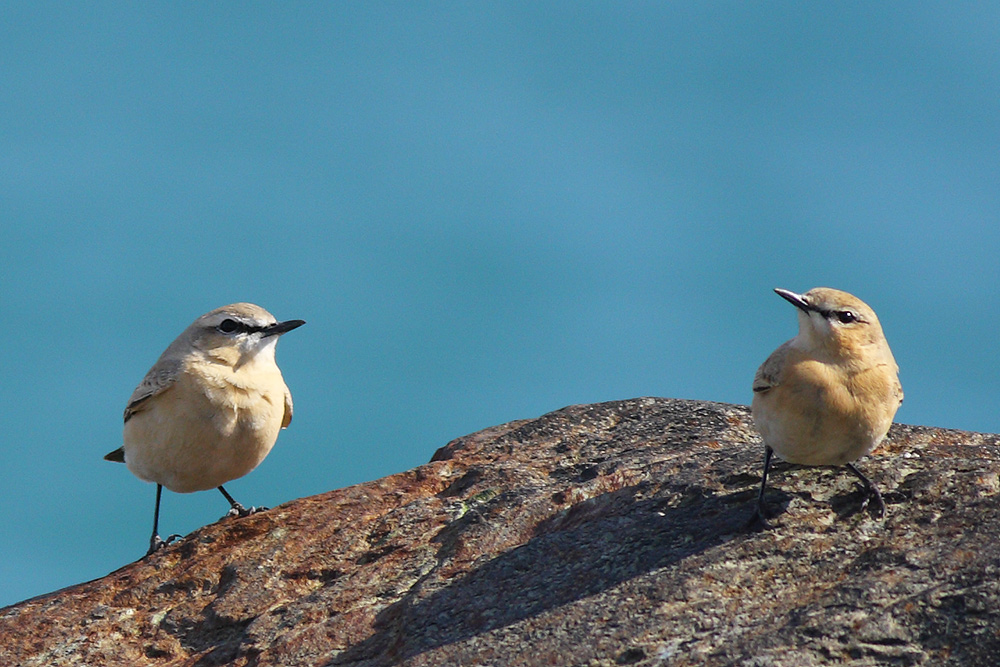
x: 769, y: 374
x: 117, y: 456
x: 287, y: 419
x: 159, y: 378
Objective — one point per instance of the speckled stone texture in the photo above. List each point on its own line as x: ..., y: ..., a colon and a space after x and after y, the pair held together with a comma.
x: 608, y: 534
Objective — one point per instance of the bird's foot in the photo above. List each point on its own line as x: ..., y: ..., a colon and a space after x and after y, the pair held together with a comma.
x: 871, y: 492
x: 156, y: 542
x: 238, y: 510
x: 873, y: 501
x: 758, y: 520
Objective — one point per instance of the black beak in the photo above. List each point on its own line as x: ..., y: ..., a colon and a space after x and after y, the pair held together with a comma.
x: 797, y: 300
x: 279, y: 328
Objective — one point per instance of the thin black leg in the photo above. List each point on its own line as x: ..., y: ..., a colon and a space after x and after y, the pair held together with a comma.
x: 759, y: 516
x: 156, y: 511
x: 870, y: 489
x: 155, y: 542
x: 237, y: 509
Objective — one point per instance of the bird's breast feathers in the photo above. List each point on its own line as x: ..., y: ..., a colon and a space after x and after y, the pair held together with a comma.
x: 252, y: 396
x: 815, y: 413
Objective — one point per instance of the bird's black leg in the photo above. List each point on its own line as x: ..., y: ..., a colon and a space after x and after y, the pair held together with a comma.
x: 155, y: 542
x: 237, y: 509
x: 871, y: 491
x: 759, y: 516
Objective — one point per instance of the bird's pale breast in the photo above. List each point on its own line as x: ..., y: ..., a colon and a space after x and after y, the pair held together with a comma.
x: 820, y: 414
x: 213, y: 425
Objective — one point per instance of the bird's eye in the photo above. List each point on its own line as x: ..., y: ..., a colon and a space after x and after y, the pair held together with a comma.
x: 846, y: 316
x: 228, y: 326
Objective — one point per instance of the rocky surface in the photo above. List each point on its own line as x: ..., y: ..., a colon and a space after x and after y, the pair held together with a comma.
x: 608, y: 534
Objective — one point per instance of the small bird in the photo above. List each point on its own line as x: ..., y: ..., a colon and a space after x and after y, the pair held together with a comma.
x: 210, y: 408
x: 828, y: 396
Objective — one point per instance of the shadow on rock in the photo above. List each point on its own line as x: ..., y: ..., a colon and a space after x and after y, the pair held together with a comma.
x: 589, y: 548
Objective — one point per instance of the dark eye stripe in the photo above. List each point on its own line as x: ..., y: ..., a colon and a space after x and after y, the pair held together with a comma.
x: 231, y: 326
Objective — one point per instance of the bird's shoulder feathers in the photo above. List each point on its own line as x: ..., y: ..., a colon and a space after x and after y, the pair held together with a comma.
x: 160, y: 377
x: 117, y: 456
x: 287, y: 418
x: 769, y: 374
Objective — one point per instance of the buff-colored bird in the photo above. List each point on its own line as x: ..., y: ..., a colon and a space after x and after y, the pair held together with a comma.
x: 209, y: 410
x: 828, y: 396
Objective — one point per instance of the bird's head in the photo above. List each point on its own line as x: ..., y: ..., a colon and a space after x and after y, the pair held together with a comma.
x: 238, y: 333
x: 835, y: 321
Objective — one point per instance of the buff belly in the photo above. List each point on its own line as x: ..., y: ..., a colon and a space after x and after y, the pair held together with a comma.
x: 814, y: 432
x: 189, y: 439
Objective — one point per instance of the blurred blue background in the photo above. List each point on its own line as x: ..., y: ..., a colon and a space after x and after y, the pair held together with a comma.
x: 485, y: 212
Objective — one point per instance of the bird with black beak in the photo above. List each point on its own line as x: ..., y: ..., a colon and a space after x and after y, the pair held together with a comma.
x: 828, y: 396
x: 209, y: 410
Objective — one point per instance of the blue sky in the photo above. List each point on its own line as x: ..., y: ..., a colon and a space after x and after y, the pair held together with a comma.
x: 485, y: 212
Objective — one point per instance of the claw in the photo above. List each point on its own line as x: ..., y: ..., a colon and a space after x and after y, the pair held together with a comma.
x: 874, y: 494
x: 757, y: 521
x: 238, y: 510
x: 156, y: 542
x: 871, y: 492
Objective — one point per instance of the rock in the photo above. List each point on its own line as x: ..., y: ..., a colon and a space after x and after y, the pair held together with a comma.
x: 608, y: 534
